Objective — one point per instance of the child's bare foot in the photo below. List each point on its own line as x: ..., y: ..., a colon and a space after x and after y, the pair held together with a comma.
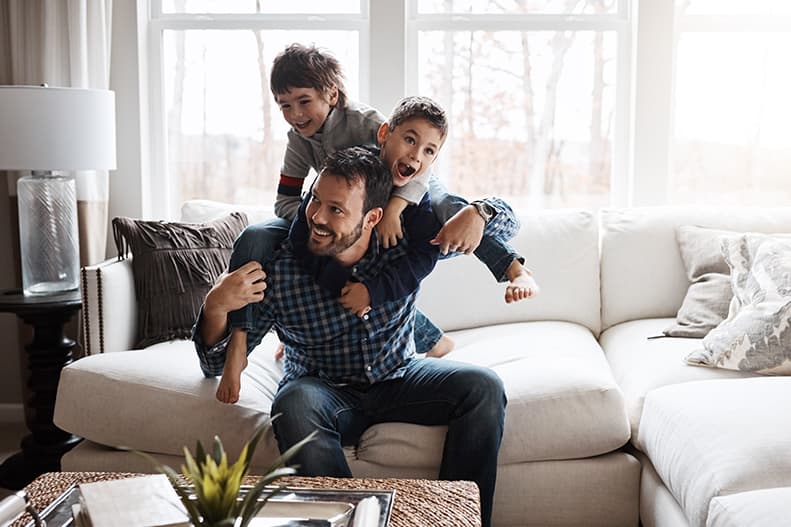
x: 280, y: 351
x: 443, y: 346
x: 522, y: 285
x: 235, y: 363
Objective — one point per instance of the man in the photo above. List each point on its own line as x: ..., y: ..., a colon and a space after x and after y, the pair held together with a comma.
x: 344, y: 373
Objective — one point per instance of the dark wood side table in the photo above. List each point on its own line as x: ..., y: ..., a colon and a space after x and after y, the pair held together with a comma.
x: 47, y: 354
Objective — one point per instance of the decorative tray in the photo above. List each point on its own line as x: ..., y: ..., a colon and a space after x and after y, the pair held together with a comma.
x: 311, y: 507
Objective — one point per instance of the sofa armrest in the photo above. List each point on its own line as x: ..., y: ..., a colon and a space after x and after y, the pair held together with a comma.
x: 109, y: 307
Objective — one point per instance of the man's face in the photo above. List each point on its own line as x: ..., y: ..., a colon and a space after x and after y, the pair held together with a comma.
x: 306, y: 109
x: 335, y: 215
x: 409, y: 149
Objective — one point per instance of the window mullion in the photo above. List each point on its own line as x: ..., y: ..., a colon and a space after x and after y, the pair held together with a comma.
x: 387, y: 58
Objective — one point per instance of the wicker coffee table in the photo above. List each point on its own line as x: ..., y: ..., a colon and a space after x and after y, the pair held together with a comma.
x: 418, y: 502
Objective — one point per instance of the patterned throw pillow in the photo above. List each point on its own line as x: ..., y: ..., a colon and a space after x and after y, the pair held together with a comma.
x: 174, y: 266
x: 756, y: 336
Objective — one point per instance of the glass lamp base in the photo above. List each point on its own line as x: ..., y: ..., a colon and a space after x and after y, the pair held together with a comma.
x: 48, y: 234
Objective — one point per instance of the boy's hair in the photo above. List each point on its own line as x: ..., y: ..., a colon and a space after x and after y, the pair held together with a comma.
x: 300, y: 66
x: 420, y: 107
x: 358, y: 163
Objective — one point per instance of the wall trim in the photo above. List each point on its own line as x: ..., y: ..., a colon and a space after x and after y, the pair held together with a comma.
x: 12, y: 413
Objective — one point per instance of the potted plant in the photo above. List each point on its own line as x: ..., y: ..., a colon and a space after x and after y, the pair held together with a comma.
x: 209, y: 484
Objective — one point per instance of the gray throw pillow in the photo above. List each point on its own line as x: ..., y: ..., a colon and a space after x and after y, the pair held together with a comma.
x: 709, y: 295
x: 174, y: 266
x: 756, y: 336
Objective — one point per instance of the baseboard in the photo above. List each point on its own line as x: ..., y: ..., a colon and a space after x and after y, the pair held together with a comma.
x: 12, y: 413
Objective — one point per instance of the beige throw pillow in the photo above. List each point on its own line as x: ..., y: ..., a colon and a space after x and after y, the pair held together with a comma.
x: 709, y: 295
x: 756, y: 336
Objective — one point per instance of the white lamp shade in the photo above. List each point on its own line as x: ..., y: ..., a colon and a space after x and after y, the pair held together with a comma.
x: 45, y: 128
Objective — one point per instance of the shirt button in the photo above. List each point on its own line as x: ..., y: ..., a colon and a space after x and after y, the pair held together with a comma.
x: 354, y: 270
x: 365, y: 317
x: 364, y: 339
x: 368, y: 367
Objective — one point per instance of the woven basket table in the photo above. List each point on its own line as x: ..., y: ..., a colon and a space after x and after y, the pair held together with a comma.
x: 418, y: 502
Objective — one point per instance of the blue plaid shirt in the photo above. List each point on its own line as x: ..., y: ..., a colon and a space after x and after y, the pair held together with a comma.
x: 321, y: 337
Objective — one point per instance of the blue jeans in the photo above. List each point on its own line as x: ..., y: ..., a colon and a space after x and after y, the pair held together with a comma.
x: 494, y: 251
x: 470, y: 400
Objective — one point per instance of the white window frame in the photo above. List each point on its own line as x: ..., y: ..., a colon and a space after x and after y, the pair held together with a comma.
x: 621, y: 23
x: 165, y: 203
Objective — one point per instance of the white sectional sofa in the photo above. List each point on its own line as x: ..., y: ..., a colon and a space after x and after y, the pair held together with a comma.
x: 582, y: 380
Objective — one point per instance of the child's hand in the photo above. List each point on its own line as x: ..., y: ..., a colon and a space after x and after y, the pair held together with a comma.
x: 389, y: 228
x: 355, y: 298
x: 462, y: 233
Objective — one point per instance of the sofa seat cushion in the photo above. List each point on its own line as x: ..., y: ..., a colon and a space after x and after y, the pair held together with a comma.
x: 157, y: 400
x: 718, y: 437
x: 758, y: 508
x: 563, y: 402
x: 640, y: 365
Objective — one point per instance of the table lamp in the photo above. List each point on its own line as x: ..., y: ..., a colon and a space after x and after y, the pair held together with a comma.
x: 43, y: 130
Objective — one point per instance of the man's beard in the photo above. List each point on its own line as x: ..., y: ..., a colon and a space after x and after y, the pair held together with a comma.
x: 337, y: 245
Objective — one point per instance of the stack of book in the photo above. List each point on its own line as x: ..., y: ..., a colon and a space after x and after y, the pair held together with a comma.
x: 147, y: 501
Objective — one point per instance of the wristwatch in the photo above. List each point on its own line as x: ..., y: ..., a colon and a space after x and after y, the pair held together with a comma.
x: 486, y: 211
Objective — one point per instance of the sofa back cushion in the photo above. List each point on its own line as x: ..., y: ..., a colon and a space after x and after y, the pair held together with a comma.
x: 642, y: 272
x: 559, y: 246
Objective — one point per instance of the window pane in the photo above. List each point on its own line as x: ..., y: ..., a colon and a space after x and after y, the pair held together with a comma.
x: 734, y: 7
x: 226, y: 137
x: 732, y: 143
x: 261, y: 6
x: 531, y: 113
x: 518, y: 7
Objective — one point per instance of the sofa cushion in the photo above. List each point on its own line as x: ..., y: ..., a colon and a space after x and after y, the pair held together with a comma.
x: 174, y: 266
x: 642, y: 274
x: 640, y: 364
x: 561, y: 247
x: 717, y: 437
x: 562, y: 400
x: 756, y: 336
x: 706, y: 303
x: 757, y: 508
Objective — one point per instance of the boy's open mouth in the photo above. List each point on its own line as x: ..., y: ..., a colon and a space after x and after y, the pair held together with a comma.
x: 405, y: 170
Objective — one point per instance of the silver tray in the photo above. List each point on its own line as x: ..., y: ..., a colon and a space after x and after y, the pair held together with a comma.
x: 59, y: 513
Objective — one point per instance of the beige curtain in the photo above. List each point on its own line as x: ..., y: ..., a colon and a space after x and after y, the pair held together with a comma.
x: 63, y: 43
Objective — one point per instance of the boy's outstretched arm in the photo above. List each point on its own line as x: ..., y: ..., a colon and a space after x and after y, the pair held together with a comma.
x: 406, y: 273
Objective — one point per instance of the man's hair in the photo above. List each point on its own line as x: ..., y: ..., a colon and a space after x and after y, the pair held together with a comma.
x: 300, y: 66
x: 422, y: 108
x: 357, y: 163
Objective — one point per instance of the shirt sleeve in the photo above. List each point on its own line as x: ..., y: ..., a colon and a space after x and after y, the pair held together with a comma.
x: 212, y: 358
x: 404, y: 276
x: 296, y: 166
x: 414, y: 191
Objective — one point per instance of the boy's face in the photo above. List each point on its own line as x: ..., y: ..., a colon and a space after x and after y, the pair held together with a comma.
x: 409, y: 149
x: 306, y: 109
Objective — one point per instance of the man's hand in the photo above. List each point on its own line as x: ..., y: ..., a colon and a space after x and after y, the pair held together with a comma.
x: 389, y: 228
x: 462, y: 233
x: 355, y: 298
x: 235, y: 290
